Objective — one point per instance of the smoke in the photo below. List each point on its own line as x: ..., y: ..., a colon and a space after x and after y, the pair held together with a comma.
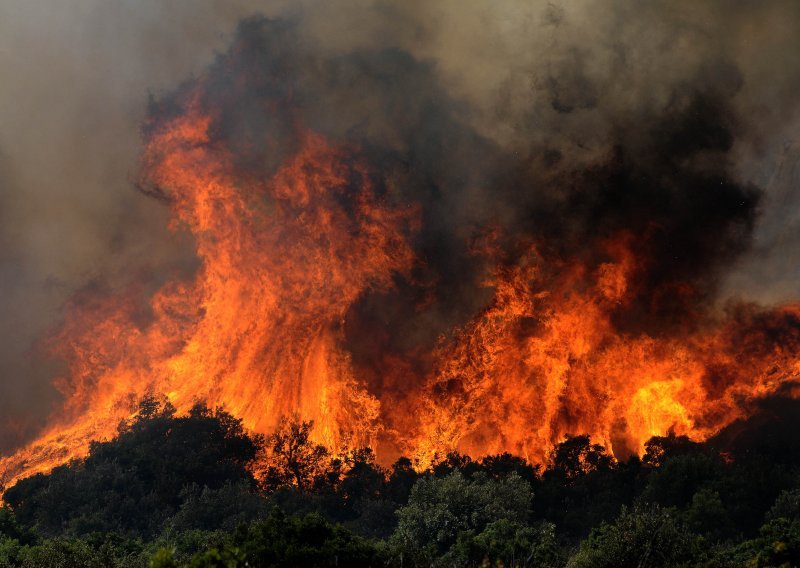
x: 564, y: 123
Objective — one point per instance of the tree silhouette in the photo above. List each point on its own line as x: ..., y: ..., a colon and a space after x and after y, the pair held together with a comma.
x: 293, y: 459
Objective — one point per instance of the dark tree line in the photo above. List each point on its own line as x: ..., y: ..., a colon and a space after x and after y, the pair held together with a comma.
x: 198, y: 490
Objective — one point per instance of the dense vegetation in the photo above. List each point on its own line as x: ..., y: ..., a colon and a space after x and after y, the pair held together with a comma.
x: 197, y: 490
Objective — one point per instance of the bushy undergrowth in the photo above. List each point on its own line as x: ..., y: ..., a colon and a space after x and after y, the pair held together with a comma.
x: 197, y: 490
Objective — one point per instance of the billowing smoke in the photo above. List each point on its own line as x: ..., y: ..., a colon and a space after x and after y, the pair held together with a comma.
x: 669, y: 126
x: 665, y: 177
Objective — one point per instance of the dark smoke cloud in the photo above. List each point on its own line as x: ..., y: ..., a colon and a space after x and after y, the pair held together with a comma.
x: 566, y: 121
x: 665, y: 175
x: 392, y: 109
x: 668, y: 182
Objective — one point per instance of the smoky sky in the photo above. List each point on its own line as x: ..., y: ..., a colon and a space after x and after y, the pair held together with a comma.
x: 561, y: 121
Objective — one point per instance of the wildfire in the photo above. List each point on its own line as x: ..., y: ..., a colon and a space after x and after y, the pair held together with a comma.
x: 287, y: 252
x: 540, y: 364
x: 259, y: 329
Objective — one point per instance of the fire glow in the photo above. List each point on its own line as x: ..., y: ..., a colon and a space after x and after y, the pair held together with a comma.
x: 285, y: 257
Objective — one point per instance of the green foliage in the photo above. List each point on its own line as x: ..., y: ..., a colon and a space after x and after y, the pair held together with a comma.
x: 352, y: 490
x: 11, y: 529
x: 278, y: 541
x: 9, y: 552
x: 706, y: 515
x: 507, y: 543
x: 113, y: 549
x: 61, y: 553
x: 177, y: 491
x: 134, y: 483
x: 778, y: 544
x: 786, y: 506
x: 401, y: 480
x: 440, y: 509
x: 644, y: 537
x: 584, y: 486
x: 185, y: 544
x: 216, y: 558
x: 163, y: 558
x: 303, y: 541
x: 728, y: 498
x: 778, y: 541
x: 211, y: 509
x: 748, y: 487
x: 679, y: 478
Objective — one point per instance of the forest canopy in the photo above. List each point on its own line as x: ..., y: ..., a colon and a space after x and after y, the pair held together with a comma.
x: 199, y: 490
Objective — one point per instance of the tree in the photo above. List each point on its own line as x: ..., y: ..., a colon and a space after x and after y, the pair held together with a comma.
x: 778, y: 544
x: 223, y: 508
x: 786, y: 506
x: 363, y: 480
x: 659, y: 449
x: 363, y: 495
x: 293, y: 459
x: 643, y: 537
x: 11, y: 529
x: 451, y: 462
x: 583, y: 486
x: 59, y: 552
x: 134, y: 483
x: 707, y: 516
x: 9, y: 551
x: 401, y: 480
x: 508, y: 543
x: 278, y: 541
x: 440, y: 509
x: 503, y: 465
x: 577, y: 456
x: 677, y: 480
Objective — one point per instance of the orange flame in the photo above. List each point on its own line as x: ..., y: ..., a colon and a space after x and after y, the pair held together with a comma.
x: 539, y: 364
x: 259, y: 330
